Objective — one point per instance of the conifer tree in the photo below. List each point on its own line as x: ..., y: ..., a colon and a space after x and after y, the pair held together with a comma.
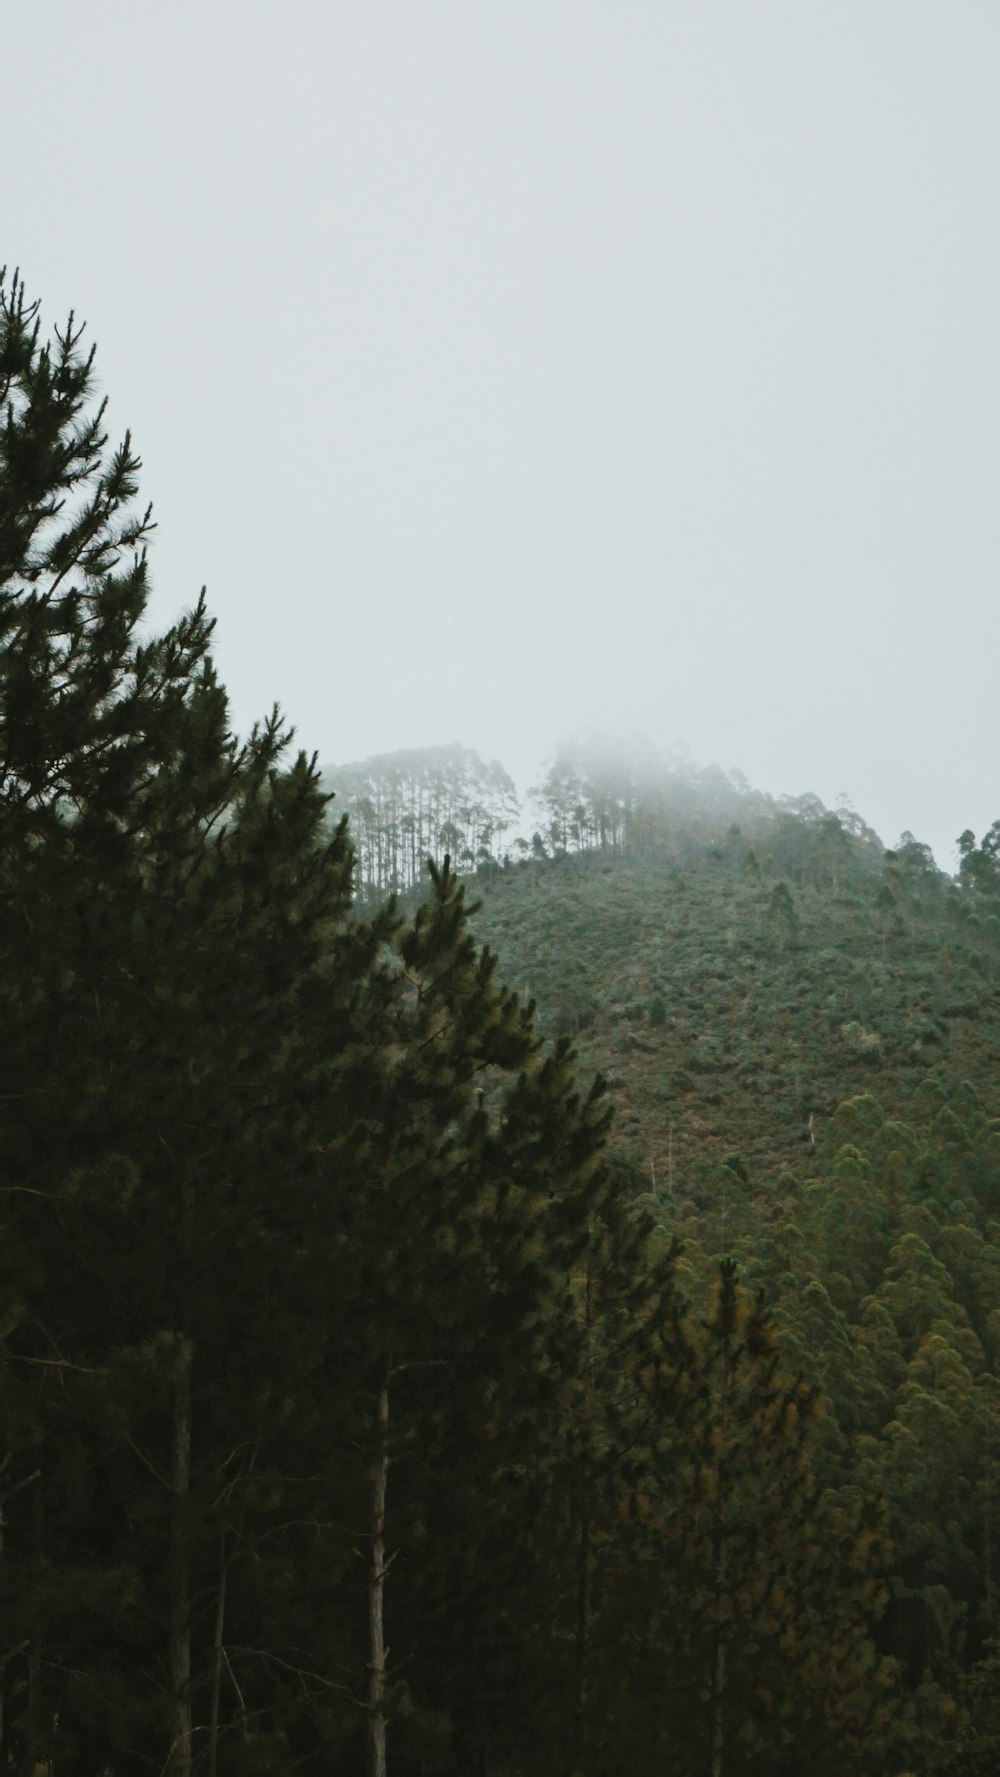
x: 167, y: 910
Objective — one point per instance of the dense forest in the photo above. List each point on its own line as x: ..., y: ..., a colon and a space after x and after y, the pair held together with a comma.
x: 478, y: 1296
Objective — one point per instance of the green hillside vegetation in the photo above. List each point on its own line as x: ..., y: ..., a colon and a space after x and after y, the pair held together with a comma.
x: 735, y: 988
x: 800, y: 1032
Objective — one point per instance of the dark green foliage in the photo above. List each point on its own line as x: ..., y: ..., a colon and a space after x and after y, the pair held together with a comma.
x: 976, y: 1752
x: 772, y: 1582
x: 168, y: 906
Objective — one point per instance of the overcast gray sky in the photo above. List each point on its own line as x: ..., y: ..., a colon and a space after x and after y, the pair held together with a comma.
x: 506, y: 367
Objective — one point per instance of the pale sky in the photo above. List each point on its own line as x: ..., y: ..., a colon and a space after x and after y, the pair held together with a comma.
x: 509, y: 367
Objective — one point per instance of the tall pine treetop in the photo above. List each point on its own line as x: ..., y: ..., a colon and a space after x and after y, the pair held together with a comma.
x: 91, y: 709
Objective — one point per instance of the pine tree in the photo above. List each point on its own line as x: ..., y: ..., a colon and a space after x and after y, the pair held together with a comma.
x: 169, y: 906
x: 88, y: 717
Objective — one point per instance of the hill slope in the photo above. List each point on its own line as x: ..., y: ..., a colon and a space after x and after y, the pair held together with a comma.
x: 733, y: 1004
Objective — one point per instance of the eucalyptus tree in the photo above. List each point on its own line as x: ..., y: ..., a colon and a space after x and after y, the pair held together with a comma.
x: 420, y: 803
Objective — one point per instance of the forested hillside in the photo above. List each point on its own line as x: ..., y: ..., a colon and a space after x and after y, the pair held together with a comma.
x: 735, y: 986
x: 381, y: 1389
x: 800, y: 1032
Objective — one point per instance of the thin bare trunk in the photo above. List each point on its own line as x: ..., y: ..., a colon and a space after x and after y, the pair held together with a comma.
x: 718, y: 1693
x: 581, y: 1724
x: 3, y: 1668
x: 718, y: 1673
x: 32, y: 1745
x: 584, y: 1577
x: 23, y: 1646
x: 376, y: 1592
x: 32, y: 1716
x: 179, y: 1570
x: 988, y: 1556
x: 220, y: 1623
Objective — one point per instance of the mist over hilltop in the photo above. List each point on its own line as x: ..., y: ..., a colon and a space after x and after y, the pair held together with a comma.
x: 610, y: 793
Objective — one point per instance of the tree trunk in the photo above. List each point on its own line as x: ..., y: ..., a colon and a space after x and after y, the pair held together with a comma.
x: 584, y: 1574
x: 32, y: 1736
x: 718, y: 1694
x: 220, y: 1622
x: 22, y: 1647
x: 581, y: 1748
x: 376, y: 1592
x: 717, y: 1677
x: 179, y: 1570
x: 988, y: 1551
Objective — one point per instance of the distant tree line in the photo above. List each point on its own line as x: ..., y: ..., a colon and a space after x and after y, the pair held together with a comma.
x: 598, y: 796
x: 420, y: 803
x: 623, y: 798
